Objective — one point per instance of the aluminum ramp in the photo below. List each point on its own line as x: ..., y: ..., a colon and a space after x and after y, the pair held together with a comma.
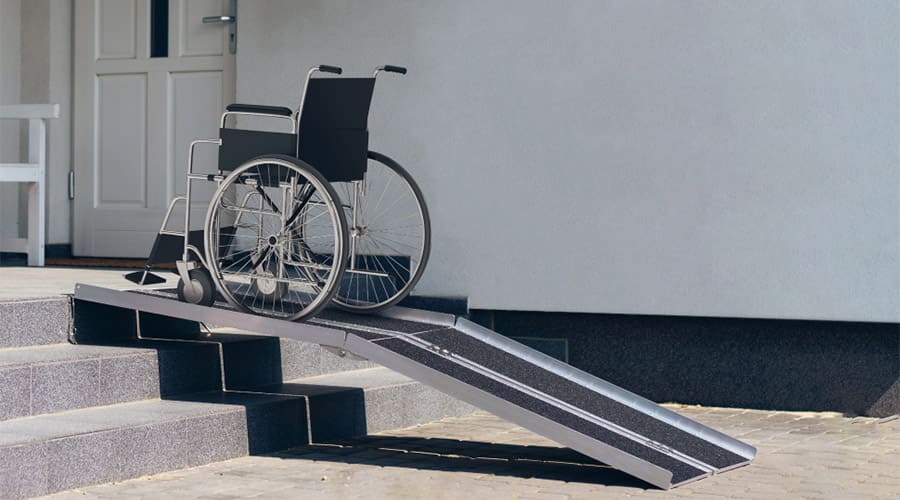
x: 492, y: 372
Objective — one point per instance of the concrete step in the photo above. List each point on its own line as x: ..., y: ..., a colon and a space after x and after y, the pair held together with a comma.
x: 46, y: 379
x: 184, y: 366
x: 360, y: 402
x: 34, y: 322
x: 191, y: 363
x: 254, y: 360
x: 50, y: 453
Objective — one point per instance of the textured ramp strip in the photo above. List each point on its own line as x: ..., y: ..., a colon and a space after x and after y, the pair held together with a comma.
x: 582, y: 397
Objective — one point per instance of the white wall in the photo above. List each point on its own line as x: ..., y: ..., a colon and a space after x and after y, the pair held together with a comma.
x: 693, y: 158
x: 58, y: 56
x: 10, y: 15
x: 35, y: 67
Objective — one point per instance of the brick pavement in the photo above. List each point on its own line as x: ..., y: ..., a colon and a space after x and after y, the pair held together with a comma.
x: 800, y: 455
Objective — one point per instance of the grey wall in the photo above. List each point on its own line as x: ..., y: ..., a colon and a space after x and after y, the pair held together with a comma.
x: 650, y: 157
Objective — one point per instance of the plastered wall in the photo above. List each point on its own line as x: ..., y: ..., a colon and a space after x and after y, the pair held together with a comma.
x: 690, y: 158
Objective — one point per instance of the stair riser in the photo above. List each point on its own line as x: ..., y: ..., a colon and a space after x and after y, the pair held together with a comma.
x: 357, y: 412
x: 35, y: 322
x: 260, y: 360
x: 249, y: 359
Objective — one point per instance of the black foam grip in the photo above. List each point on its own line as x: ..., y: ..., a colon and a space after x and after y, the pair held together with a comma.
x: 331, y: 69
x: 395, y: 69
x: 256, y: 108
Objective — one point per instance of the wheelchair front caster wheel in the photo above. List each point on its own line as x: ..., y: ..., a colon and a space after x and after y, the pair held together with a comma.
x: 200, y: 290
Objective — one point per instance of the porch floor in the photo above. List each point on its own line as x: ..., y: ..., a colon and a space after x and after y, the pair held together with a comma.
x: 23, y: 283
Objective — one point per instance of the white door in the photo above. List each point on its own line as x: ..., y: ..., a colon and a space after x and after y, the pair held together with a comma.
x: 150, y: 77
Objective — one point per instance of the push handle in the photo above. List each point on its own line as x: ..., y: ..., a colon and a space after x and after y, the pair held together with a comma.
x: 330, y: 69
x: 395, y: 69
x: 390, y: 69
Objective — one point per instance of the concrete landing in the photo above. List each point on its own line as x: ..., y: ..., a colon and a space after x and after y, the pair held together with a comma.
x: 24, y: 283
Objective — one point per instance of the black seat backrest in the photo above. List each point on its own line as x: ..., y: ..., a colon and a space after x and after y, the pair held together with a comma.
x: 333, y: 131
x: 333, y: 126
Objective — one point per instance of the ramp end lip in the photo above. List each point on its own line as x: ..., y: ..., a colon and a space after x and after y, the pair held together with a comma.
x: 734, y: 466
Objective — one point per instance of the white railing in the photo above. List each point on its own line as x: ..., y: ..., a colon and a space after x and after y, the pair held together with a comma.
x: 33, y: 173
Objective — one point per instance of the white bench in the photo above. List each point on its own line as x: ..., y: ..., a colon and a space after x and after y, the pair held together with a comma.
x: 33, y: 173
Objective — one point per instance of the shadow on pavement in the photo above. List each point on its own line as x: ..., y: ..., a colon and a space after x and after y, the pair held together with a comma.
x: 540, y: 462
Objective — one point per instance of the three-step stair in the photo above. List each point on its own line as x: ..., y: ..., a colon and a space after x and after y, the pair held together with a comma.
x: 116, y: 407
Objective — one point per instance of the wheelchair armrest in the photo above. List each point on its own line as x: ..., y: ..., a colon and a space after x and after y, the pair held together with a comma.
x: 255, y: 108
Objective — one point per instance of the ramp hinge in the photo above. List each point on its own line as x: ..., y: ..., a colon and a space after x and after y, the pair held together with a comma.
x: 440, y: 350
x: 659, y: 447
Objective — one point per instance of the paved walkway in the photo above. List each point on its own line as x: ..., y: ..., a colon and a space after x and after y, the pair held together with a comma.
x: 800, y: 455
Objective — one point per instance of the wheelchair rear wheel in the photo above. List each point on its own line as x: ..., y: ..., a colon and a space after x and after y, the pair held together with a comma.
x: 259, y: 216
x: 390, y: 236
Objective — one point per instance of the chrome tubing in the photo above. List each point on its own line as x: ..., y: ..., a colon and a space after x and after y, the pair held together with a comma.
x: 187, y: 193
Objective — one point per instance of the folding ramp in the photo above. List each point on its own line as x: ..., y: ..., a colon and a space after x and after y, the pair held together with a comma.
x: 492, y: 372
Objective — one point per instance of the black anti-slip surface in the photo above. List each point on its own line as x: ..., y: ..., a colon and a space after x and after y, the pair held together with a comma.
x: 680, y: 471
x: 582, y: 397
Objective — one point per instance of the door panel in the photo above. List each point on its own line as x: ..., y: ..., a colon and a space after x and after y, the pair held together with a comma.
x: 117, y: 22
x: 121, y: 166
x: 195, y: 97
x: 196, y: 39
x: 135, y: 116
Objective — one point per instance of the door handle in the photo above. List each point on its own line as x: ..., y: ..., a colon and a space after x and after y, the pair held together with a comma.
x: 219, y: 19
x: 230, y: 20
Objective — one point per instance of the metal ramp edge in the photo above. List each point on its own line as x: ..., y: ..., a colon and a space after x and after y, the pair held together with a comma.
x: 492, y: 372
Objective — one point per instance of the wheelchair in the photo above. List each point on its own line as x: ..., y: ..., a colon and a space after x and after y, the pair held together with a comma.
x: 301, y: 218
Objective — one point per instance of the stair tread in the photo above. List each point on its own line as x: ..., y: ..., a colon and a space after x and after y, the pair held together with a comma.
x: 55, y: 353
x: 26, y: 430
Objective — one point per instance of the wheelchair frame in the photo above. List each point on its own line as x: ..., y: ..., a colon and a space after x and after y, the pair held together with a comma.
x: 186, y: 264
